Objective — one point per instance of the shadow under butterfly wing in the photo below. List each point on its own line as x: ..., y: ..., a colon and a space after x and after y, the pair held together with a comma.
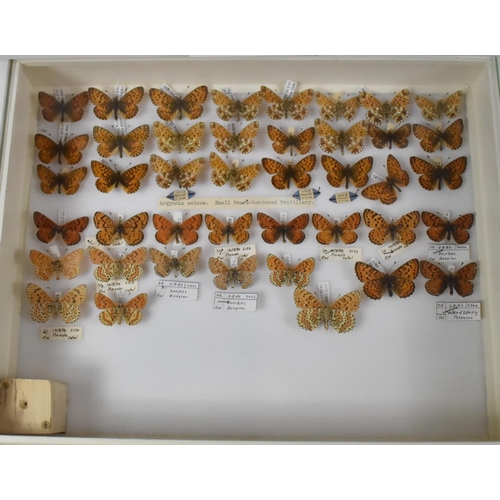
x: 292, y: 230
x: 439, y: 280
x: 400, y: 230
x: 66, y: 182
x: 126, y: 105
x: 440, y: 228
x: 173, y: 107
x: 73, y: 109
x: 432, y: 175
x: 331, y: 232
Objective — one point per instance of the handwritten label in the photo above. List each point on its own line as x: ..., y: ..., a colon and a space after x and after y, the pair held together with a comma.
x: 177, y: 290
x: 458, y: 311
x: 120, y: 126
x: 64, y: 131
x: 289, y: 89
x: 339, y: 253
x: 61, y: 333
x: 377, y: 177
x: 121, y: 285
x: 306, y: 194
x: 227, y: 91
x: 92, y: 242
x: 59, y: 94
x: 241, y: 252
x: 222, y: 203
x: 120, y: 91
x: 391, y: 249
x: 447, y: 252
x: 168, y: 90
x: 235, y: 302
x: 344, y: 197
x: 324, y: 292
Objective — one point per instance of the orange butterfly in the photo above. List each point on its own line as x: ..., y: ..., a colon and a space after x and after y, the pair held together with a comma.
x: 67, y: 182
x: 358, y: 173
x: 109, y: 268
x: 70, y: 231
x: 72, y: 110
x: 240, y: 275
x: 282, y: 175
x: 385, y: 191
x: 228, y: 141
x: 108, y: 179
x: 282, y: 142
x: 238, y: 229
x: 168, y: 139
x: 186, y: 265
x: 113, y: 313
x: 282, y: 106
x: 351, y: 139
x: 440, y: 280
x: 331, y: 231
x: 379, y: 111
x: 186, y: 176
x: 376, y: 282
x: 229, y: 107
x: 284, y: 274
x: 185, y: 231
x: 172, y: 107
x: 67, y: 266
x: 450, y: 106
x: 336, y: 108
x: 292, y: 230
x: 70, y: 150
x: 132, y: 143
x: 382, y: 138
x: 130, y: 230
x: 241, y: 178
x: 439, y: 228
x: 432, y: 175
x: 400, y: 230
x: 126, y: 105
x: 431, y: 139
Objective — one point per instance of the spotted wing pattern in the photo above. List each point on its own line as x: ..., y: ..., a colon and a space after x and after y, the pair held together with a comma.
x: 449, y: 106
x: 400, y: 230
x: 126, y: 106
x: 130, y: 230
x: 439, y: 280
x: 357, y: 173
x: 273, y: 230
x: 67, y: 111
x: 70, y: 150
x: 113, y: 313
x: 164, y: 264
x: 432, y: 139
x: 109, y: 268
x: 378, y: 111
x: 282, y: 107
x: 332, y: 232
x: 282, y: 142
x: 239, y: 177
x: 229, y: 108
x: 70, y: 231
x: 330, y: 109
x: 226, y: 141
x: 66, y: 182
x: 330, y: 139
x: 166, y: 230
x: 67, y: 266
x: 174, y: 107
x: 220, y: 231
x: 108, y: 179
x: 240, y: 275
x: 168, y: 139
x: 440, y: 228
x: 283, y: 174
x: 283, y: 274
x: 382, y: 138
x: 132, y: 143
x: 431, y: 176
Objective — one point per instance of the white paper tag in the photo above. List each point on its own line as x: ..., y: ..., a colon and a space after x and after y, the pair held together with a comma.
x: 229, y: 220
x: 61, y: 333
x: 181, y: 195
x: 287, y: 259
x: 177, y: 217
x: 391, y: 249
x: 339, y: 253
x: 64, y: 131
x: 121, y: 285
x: 59, y: 94
x: 120, y: 91
x: 61, y: 217
x: 306, y: 194
x: 447, y: 215
x: 283, y: 217
x: 173, y: 254
x: 324, y: 292
x: 173, y: 126
x: 344, y: 197
x: 231, y: 127
x: 235, y: 302
x: 289, y: 89
x: 120, y: 126
x: 227, y: 91
x: 458, y: 311
x: 447, y: 253
x: 168, y: 90
x: 92, y: 242
x: 177, y: 290
x: 241, y: 252
x: 54, y: 251
x: 377, y: 177
x: 376, y: 264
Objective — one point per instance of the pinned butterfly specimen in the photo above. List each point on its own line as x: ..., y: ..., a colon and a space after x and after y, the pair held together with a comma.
x: 108, y: 179
x: 400, y: 230
x: 172, y: 107
x: 105, y: 106
x: 351, y: 139
x: 336, y: 107
x: 382, y: 138
x: 331, y: 232
x: 284, y: 274
x: 186, y: 265
x: 357, y: 173
x: 46, y: 266
x: 386, y: 191
x: 111, y: 231
x: 439, y: 280
x: 240, y: 275
x: 186, y: 176
x: 449, y: 107
x: 282, y: 142
x: 229, y: 141
x: 70, y: 150
x: 283, y: 106
x: 184, y: 231
x: 71, y: 111
x: 233, y: 108
x: 339, y: 315
x: 169, y: 139
x: 70, y: 231
x: 241, y: 178
x: 283, y: 174
x: 379, y: 111
x: 440, y: 229
x: 237, y: 229
x: 376, y: 282
x: 274, y: 230
x: 132, y: 143
x: 109, y: 268
x: 113, y: 313
x: 43, y: 306
x: 67, y: 182
x: 431, y: 176
x: 431, y: 140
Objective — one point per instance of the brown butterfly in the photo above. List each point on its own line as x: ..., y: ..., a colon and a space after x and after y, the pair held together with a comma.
x: 284, y: 274
x: 240, y: 275
x: 376, y: 282
x: 283, y: 174
x: 379, y: 111
x: 333, y: 231
x: 351, y: 139
x: 440, y: 280
x: 111, y: 231
x: 400, y: 230
x: 220, y: 231
x: 70, y: 231
x: 108, y: 179
x: 113, y: 313
x: 431, y: 140
x: 274, y: 230
x: 449, y: 107
x: 72, y: 110
x: 70, y: 150
x: 229, y: 107
x: 126, y: 105
x: 110, y: 268
x: 336, y: 108
x: 67, y: 182
x: 339, y: 314
x: 357, y: 174
x: 168, y: 139
x: 132, y: 143
x: 432, y: 175
x: 172, y: 107
x: 67, y: 266
x: 241, y: 178
x: 228, y: 141
x: 282, y: 106
x: 439, y: 228
x: 282, y: 142
x: 186, y: 176
x: 382, y: 138
x: 184, y: 231
x: 385, y: 191
x: 186, y: 265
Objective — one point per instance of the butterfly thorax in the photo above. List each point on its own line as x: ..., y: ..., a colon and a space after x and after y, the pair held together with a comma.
x: 342, y: 141
x: 393, y: 231
x: 393, y: 182
x: 389, y: 281
x: 119, y: 313
x: 176, y: 169
x: 57, y: 268
x: 336, y: 232
x: 176, y: 266
x: 289, y: 175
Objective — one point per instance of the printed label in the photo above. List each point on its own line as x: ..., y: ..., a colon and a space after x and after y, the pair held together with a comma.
x: 340, y: 253
x: 227, y: 91
x: 343, y: 197
x: 458, y: 311
x: 235, y: 302
x: 120, y: 126
x: 64, y: 131
x: 324, y: 292
x: 447, y: 252
x: 181, y: 195
x: 289, y: 89
x: 306, y: 194
x: 241, y: 252
x: 258, y: 202
x: 120, y: 91
x: 177, y: 290
x: 61, y: 333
